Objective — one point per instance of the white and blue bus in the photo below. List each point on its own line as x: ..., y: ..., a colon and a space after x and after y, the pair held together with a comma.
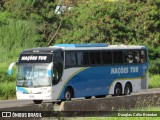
x: 66, y: 71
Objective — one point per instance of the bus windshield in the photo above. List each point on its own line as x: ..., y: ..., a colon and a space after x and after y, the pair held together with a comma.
x: 32, y: 75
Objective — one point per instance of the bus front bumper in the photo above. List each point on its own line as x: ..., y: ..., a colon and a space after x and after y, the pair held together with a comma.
x: 45, y: 96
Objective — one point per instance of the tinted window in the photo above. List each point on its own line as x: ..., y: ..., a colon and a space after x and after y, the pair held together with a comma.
x: 57, y: 67
x: 143, y: 56
x: 79, y: 58
x: 136, y: 56
x: 128, y: 56
x: 117, y: 57
x: 70, y: 58
x: 58, y: 58
x: 85, y: 58
x: 106, y: 57
x: 82, y: 58
x: 95, y: 57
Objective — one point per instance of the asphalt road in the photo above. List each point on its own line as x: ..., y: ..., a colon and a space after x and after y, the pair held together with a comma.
x: 14, y: 103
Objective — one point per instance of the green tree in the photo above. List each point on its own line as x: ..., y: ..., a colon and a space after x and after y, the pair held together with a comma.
x: 41, y: 12
x: 112, y: 22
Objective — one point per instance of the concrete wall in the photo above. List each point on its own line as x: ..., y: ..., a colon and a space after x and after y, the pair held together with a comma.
x: 113, y: 103
x: 31, y: 107
x: 99, y: 104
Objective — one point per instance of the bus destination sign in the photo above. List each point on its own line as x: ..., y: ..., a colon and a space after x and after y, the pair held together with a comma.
x: 35, y: 58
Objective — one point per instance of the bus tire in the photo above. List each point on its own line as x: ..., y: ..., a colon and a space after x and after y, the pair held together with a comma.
x: 118, y: 89
x: 100, y: 96
x: 59, y: 102
x: 68, y: 94
x: 127, y: 89
x: 37, y: 101
x: 88, y: 97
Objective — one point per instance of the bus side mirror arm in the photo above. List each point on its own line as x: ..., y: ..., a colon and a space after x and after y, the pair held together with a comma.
x: 10, y: 68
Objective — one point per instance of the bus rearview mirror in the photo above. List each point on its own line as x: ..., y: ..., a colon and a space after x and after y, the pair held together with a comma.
x: 10, y: 68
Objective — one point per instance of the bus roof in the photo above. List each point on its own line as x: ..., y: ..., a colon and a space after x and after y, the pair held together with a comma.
x: 96, y: 47
x: 41, y: 50
x: 82, y: 45
x: 66, y: 47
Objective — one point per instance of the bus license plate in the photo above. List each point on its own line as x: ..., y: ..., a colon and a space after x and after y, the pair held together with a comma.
x: 31, y: 96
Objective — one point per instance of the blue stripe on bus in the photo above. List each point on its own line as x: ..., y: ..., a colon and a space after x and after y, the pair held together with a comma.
x: 50, y: 73
x: 23, y: 90
x: 97, y: 80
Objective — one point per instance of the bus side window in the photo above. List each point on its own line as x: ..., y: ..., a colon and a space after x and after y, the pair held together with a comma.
x: 143, y: 56
x: 73, y: 59
x: 67, y: 59
x: 70, y: 59
x: 79, y: 58
x: 58, y: 66
x: 95, y: 57
x: 117, y: 57
x: 106, y: 57
x: 85, y: 58
x: 128, y: 57
x: 92, y: 58
x: 136, y: 56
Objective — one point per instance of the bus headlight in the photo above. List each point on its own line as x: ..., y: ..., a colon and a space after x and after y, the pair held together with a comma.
x: 45, y: 90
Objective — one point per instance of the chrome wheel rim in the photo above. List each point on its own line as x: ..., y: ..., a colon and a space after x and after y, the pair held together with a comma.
x: 67, y: 96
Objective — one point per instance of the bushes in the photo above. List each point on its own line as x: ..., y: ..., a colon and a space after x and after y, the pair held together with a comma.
x: 154, y: 81
x: 39, y: 12
x: 154, y: 67
x: 23, y: 24
x: 4, y: 77
x: 7, y: 86
x: 15, y: 35
x: 115, y: 23
x: 7, y: 90
x: 112, y: 22
x: 154, y: 56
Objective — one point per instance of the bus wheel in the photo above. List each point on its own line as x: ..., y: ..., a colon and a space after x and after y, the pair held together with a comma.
x: 37, y: 101
x: 59, y: 102
x: 127, y: 89
x: 68, y: 94
x: 118, y: 90
x: 88, y: 97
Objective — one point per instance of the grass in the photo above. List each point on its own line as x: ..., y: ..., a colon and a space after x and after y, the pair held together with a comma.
x: 154, y: 81
x: 15, y: 36
x: 7, y: 90
x: 156, y: 110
